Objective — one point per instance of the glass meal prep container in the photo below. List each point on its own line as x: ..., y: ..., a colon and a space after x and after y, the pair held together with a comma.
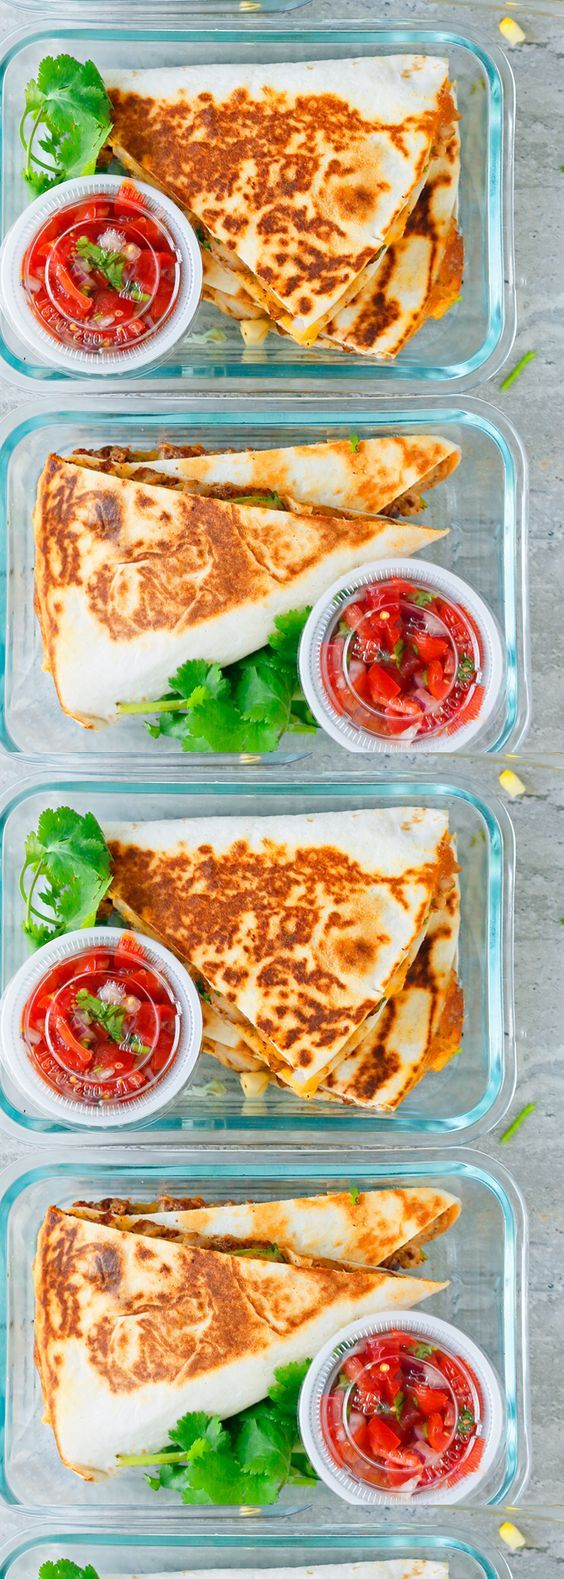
x: 468, y: 344
x: 483, y: 502
x: 117, y: 1550
x: 468, y: 1096
x: 482, y: 1255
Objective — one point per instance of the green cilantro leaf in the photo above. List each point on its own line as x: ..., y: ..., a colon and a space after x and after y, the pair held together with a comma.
x: 354, y: 442
x: 354, y: 1193
x: 286, y: 636
x: 109, y: 1015
x: 398, y: 651
x: 67, y: 103
x: 422, y: 1351
x: 421, y: 598
x: 197, y: 672
x: 68, y: 854
x: 465, y: 1423
x: 286, y: 1388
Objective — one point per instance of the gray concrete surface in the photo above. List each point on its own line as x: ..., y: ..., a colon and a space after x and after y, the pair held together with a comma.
x: 536, y: 404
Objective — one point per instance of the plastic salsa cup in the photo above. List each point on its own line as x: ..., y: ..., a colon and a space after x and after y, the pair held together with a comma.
x: 101, y: 1027
x: 401, y: 656
x: 101, y: 274
x: 401, y: 1407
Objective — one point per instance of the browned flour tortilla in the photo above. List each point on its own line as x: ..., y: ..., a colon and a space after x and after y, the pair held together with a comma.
x: 133, y: 578
x: 297, y: 175
x: 133, y: 1332
x: 301, y: 925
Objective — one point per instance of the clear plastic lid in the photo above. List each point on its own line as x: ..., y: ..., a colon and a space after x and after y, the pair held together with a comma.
x: 45, y: 303
x: 144, y: 1025
x: 401, y: 1406
x: 402, y: 655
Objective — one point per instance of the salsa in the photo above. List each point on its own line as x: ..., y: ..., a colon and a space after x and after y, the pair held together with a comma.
x: 103, y: 1025
x: 103, y: 272
x: 403, y: 660
x: 402, y: 1415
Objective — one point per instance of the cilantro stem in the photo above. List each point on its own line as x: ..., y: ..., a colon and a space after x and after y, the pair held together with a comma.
x: 516, y: 371
x: 28, y: 144
x: 152, y: 1458
x: 517, y: 1122
x: 173, y: 705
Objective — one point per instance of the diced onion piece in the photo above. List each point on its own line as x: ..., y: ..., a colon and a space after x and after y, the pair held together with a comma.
x: 512, y: 784
x: 513, y: 1537
x: 254, y: 1083
x: 512, y: 31
x: 254, y: 330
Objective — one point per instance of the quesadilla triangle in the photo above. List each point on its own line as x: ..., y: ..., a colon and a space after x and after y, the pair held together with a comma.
x: 361, y: 1230
x: 132, y: 1333
x: 420, y: 275
x: 297, y: 175
x: 303, y: 924
x: 132, y: 579
x: 418, y: 1030
x: 362, y: 477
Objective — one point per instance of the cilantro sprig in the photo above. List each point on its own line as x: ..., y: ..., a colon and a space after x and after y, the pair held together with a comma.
x: 64, y: 1568
x: 66, y: 874
x: 247, y: 706
x: 65, y: 123
x: 244, y: 1460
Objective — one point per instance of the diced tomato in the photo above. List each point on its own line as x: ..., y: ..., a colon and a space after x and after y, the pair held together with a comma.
x: 352, y: 1367
x: 81, y: 1056
x: 383, y: 1440
x: 353, y: 615
x: 381, y: 684
x: 430, y: 1399
x: 407, y: 706
x: 437, y: 1435
x: 81, y: 304
x: 431, y: 646
x: 147, y: 228
x: 94, y: 208
x: 437, y: 682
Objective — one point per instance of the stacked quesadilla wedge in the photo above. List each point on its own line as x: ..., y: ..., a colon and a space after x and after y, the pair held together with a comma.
x: 141, y: 565
x: 299, y: 179
x: 141, y: 1320
x: 303, y: 931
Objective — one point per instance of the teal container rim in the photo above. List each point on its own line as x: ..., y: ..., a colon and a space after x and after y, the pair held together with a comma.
x: 500, y: 277
x: 390, y: 1543
x: 289, y: 1161
x: 475, y: 413
x: 340, y: 1126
